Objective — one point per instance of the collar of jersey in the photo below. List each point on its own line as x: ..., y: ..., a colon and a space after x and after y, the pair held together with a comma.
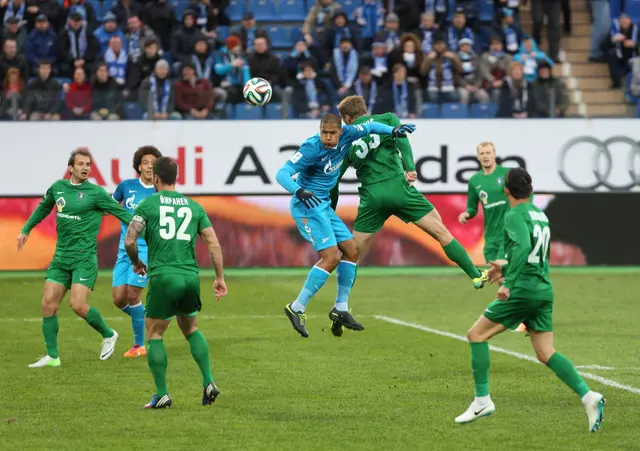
x: 361, y: 119
x: 145, y: 186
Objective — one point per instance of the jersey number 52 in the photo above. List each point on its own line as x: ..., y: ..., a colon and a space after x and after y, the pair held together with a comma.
x: 168, y: 223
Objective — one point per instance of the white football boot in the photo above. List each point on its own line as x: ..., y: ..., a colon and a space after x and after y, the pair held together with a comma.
x: 594, y: 405
x: 476, y: 411
x: 45, y: 361
x: 108, y: 346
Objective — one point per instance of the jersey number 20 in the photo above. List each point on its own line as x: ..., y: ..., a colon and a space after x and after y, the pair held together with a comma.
x: 168, y: 223
x: 542, y: 237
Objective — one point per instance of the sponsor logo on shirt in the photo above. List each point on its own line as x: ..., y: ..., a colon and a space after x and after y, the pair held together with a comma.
x: 330, y: 169
x: 66, y: 216
x: 60, y: 204
x: 484, y: 197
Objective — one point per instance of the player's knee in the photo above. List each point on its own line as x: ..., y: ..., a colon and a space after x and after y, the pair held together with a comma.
x: 79, y: 306
x: 49, y: 306
x: 543, y: 355
x: 351, y: 252
x: 473, y: 336
x: 133, y: 296
x: 119, y: 298
x: 330, y: 259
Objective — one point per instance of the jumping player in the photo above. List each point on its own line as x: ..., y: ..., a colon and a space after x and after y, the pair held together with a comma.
x: 127, y: 285
x: 526, y: 296
x: 317, y: 164
x: 80, y: 206
x: 170, y: 223
x: 387, y: 190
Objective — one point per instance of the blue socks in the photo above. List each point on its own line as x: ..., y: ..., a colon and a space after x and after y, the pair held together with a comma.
x: 316, y: 278
x: 346, y: 279
x: 136, y: 312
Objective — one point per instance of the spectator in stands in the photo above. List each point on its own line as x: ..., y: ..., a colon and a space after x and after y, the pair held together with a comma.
x: 400, y: 95
x: 157, y: 95
x: 427, y: 29
x: 41, y: 44
x: 310, y: 98
x: 78, y: 96
x: 106, y: 101
x: 44, y: 95
x: 83, y: 8
x: 300, y: 54
x: 209, y: 16
x: 116, y: 59
x: 137, y: 35
x: 408, y: 53
x: 493, y: 67
x: 378, y: 61
x: 12, y: 59
x: 184, y: 39
x: 108, y: 29
x: 162, y: 19
x: 331, y: 37
x: 318, y: 19
x: 470, y: 89
x: 14, y: 31
x: 551, y: 10
x: 458, y: 30
x: 551, y: 94
x: 248, y: 32
x: 509, y: 32
x: 344, y: 66
x: 124, y: 9
x: 391, y: 31
x: 232, y: 69
x: 194, y: 97
x: 601, y: 13
x: 370, y: 18
x: 264, y: 64
x: 530, y: 56
x: 635, y: 77
x: 203, y: 60
x: 12, y: 95
x: 49, y: 8
x: 517, y: 98
x: 442, y: 69
x: 408, y: 11
x: 440, y: 10
x: 623, y: 47
x: 13, y: 9
x: 77, y: 47
x: 368, y: 88
x: 142, y: 68
x: 511, y: 5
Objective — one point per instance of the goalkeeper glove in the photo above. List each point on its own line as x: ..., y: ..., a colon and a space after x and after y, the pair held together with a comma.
x: 402, y: 130
x: 307, y: 198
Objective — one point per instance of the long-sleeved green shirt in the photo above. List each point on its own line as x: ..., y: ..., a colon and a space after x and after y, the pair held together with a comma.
x: 489, y: 189
x: 79, y: 212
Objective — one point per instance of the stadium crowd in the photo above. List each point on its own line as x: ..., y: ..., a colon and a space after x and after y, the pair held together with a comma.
x: 85, y: 59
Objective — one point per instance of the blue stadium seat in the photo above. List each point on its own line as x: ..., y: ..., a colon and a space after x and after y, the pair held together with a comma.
x: 292, y: 10
x: 280, y: 37
x: 263, y: 10
x: 223, y: 32
x: 349, y: 6
x: 248, y: 112
x: 454, y: 111
x: 430, y: 111
x: 62, y: 80
x: 485, y: 11
x: 632, y: 8
x: 230, y: 111
x: 273, y: 110
x: 133, y: 111
x: 483, y: 110
x: 281, y: 54
x: 616, y: 8
x: 236, y: 9
x: 99, y: 7
x: 178, y: 8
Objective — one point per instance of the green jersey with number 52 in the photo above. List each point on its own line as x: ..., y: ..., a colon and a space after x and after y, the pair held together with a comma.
x: 527, y: 239
x: 173, y: 222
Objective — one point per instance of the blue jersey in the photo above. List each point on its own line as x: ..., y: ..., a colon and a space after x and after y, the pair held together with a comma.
x: 130, y: 193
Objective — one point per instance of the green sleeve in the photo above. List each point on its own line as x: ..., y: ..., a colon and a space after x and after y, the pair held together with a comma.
x: 41, y: 212
x: 203, y: 220
x: 404, y: 146
x: 516, y: 228
x: 109, y: 205
x: 335, y: 191
x: 472, y: 200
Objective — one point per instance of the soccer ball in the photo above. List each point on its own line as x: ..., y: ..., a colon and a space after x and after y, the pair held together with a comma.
x: 257, y: 92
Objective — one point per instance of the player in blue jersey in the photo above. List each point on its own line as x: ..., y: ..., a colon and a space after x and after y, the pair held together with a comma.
x: 127, y: 285
x: 317, y: 164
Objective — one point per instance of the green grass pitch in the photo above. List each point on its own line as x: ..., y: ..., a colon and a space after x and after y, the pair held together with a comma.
x: 389, y: 387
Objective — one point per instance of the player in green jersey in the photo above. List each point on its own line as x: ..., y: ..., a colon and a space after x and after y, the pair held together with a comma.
x: 80, y: 206
x: 386, y: 189
x: 526, y: 295
x: 170, y: 223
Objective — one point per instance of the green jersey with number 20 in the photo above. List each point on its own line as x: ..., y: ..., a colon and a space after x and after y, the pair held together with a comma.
x: 173, y: 222
x: 527, y: 239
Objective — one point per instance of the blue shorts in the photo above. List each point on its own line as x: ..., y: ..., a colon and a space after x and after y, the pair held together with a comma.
x: 323, y: 229
x: 123, y: 271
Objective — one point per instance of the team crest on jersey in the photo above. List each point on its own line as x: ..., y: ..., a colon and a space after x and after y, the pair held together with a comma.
x: 81, y: 195
x: 484, y: 197
x: 60, y: 203
x: 499, y: 180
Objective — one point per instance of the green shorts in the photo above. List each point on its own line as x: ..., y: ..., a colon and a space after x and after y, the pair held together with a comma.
x: 535, y: 310
x: 84, y: 272
x: 493, y: 252
x: 393, y: 197
x: 173, y: 294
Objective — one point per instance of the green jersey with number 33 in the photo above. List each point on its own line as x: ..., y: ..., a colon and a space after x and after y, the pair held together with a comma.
x: 173, y: 222
x: 527, y: 239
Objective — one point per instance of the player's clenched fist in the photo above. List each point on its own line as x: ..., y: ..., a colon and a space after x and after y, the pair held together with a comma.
x: 219, y: 288
x: 22, y: 239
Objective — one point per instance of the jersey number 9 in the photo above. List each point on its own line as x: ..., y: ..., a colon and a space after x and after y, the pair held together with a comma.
x: 168, y: 223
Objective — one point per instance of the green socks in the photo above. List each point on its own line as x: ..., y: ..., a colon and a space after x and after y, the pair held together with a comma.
x: 480, y: 362
x: 567, y: 373
x: 50, y: 329
x: 200, y: 352
x: 95, y: 320
x: 157, y: 360
x: 456, y: 253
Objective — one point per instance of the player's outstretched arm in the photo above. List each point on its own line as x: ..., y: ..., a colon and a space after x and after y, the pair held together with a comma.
x: 284, y: 178
x: 516, y: 228
x: 406, y: 152
x: 210, y: 238
x: 111, y: 206
x: 135, y: 229
x: 42, y: 211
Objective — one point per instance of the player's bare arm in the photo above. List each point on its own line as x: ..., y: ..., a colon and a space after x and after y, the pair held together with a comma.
x: 210, y: 238
x: 136, y: 227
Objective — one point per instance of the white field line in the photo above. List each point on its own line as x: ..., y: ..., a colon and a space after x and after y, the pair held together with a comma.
x: 517, y: 355
x: 125, y: 317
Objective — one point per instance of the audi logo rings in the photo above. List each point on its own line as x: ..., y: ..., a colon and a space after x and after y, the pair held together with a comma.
x: 602, y: 172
